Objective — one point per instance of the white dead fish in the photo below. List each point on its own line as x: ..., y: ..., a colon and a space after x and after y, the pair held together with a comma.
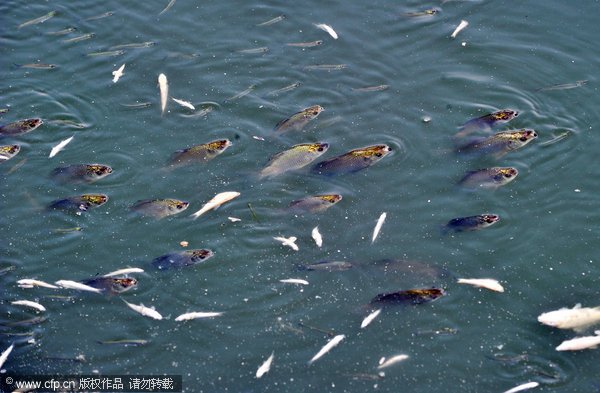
x: 462, y: 25
x: 68, y: 284
x: 128, y: 270
x: 522, y: 387
x: 288, y: 241
x: 56, y: 149
x: 184, y: 103
x: 118, y: 73
x: 258, y: 138
x: 196, y: 315
x: 217, y: 201
x: 328, y: 29
x: 332, y: 343
x: 370, y: 318
x: 30, y: 283
x: 378, y: 226
x: 487, y: 283
x: 28, y: 303
x: 5, y: 354
x: 164, y: 91
x: 234, y: 219
x: 266, y: 366
x: 316, y: 235
x: 579, y: 343
x: 383, y: 362
x: 577, y: 318
x: 294, y: 281
x: 145, y: 311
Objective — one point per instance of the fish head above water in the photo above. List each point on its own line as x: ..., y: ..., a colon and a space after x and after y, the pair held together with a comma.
x: 504, y: 115
x: 331, y: 198
x: 123, y: 284
x: 173, y: 205
x: 218, y: 146
x: 98, y: 170
x: 518, y: 139
x: 199, y: 255
x: 318, y: 148
x: 505, y: 175
x: 9, y: 150
x: 313, y: 111
x: 94, y: 199
x: 371, y: 153
x: 488, y: 219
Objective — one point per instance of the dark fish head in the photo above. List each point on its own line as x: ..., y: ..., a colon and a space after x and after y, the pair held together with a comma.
x: 32, y: 123
x: 98, y: 170
x: 504, y: 175
x: 504, y: 115
x: 175, y: 205
x: 371, y: 153
x: 94, y: 199
x: 489, y: 219
x: 426, y: 295
x: 331, y: 198
x: 317, y: 147
x: 10, y: 150
x: 313, y: 111
x: 123, y: 284
x: 218, y: 146
x: 199, y: 255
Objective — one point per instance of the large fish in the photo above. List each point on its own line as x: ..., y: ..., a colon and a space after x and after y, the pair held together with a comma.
x: 79, y: 203
x: 577, y: 318
x: 579, y: 343
x: 112, y: 285
x: 216, y: 201
x: 489, y: 178
x: 181, y: 259
x: 199, y: 153
x: 471, y: 223
x: 329, y: 266
x: 159, y: 208
x: 296, y: 157
x: 410, y: 296
x: 8, y: 151
x: 21, y: 126
x: 299, y: 119
x: 352, y: 161
x: 486, y: 122
x: 81, y: 173
x: 315, y: 204
x: 500, y: 143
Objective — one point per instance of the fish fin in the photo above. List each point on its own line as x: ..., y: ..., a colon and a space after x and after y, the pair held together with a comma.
x: 281, y: 123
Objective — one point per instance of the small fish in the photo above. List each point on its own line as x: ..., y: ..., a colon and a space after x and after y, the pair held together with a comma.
x: 299, y: 119
x: 64, y: 31
x: 16, y: 166
x: 580, y: 343
x: 113, y: 285
x: 171, y: 4
x: 82, y: 37
x: 352, y: 161
x: 199, y: 153
x: 21, y: 126
x: 182, y: 259
x: 108, y: 53
x: 577, y: 318
x: 80, y: 203
x: 383, y: 362
x: 316, y: 235
x: 369, y: 318
x: 216, y: 201
x: 262, y: 49
x: 325, y: 67
x: 81, y: 173
x: 145, y: 311
x: 428, y: 12
x: 163, y: 86
x: 565, y: 86
x: 7, y: 269
x: 487, y: 283
x: 461, y: 25
x: 487, y: 122
x: 159, y: 208
x: 8, y: 151
x: 328, y: 29
x: 101, y: 16
x: 378, y: 226
x: 272, y: 21
x: 266, y: 366
x: 60, y: 146
x: 500, y: 143
x: 29, y: 303
x: 295, y: 158
x: 410, y: 296
x: 184, y: 103
x: 333, y: 266
x: 4, y: 355
x: 294, y: 281
x: 68, y: 123
x: 557, y: 138
x: 117, y: 74
x: 315, y: 204
x: 138, y: 105
x: 134, y: 45
x: 37, y: 66
x: 284, y: 89
x: 372, y: 88
x: 288, y: 241
x: 522, y: 387
x: 25, y: 322
x: 489, y: 178
x: 30, y: 283
x: 308, y: 44
x: 126, y: 343
x: 68, y: 284
x: 41, y: 19
x: 442, y: 331
x: 197, y: 315
x: 128, y: 270
x: 332, y: 343
x: 472, y: 223
x: 241, y: 94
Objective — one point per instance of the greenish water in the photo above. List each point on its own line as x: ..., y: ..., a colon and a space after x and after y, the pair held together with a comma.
x: 544, y: 249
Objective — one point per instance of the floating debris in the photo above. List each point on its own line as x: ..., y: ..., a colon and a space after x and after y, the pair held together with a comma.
x: 30, y: 283
x: 5, y: 354
x: 56, y: 149
x: 128, y: 270
x: 378, y: 226
x: 118, y: 73
x: 234, y: 219
x: 462, y: 25
x: 525, y: 386
x: 328, y: 347
x: 68, y: 284
x: 266, y: 366
x: 290, y: 242
x: 164, y: 91
x: 369, y: 318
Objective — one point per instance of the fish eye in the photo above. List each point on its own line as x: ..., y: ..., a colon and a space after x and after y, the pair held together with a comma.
x: 523, y: 138
x: 378, y: 154
x: 320, y: 149
x: 535, y: 135
x: 508, y: 175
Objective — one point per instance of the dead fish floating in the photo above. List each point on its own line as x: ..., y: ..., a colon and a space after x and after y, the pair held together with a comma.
x: 20, y: 127
x: 81, y: 173
x: 352, y: 161
x: 177, y: 260
x: 409, y: 296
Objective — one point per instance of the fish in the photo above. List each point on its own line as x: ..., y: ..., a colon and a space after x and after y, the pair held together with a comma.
x: 199, y: 153
x: 234, y: 219
x: 60, y: 146
x: 299, y: 119
x: 108, y: 53
x: 128, y: 270
x: 525, y: 386
x: 180, y: 259
x: 7, y: 269
x: 81, y: 173
x: 500, y: 143
x: 68, y: 284
x: 409, y: 296
x: 196, y: 315
x: 25, y: 322
x: 216, y: 201
x: 557, y: 138
x: 580, y: 343
x: 328, y: 29
x: 369, y: 318
x: 168, y: 7
x: 134, y: 45
x: 297, y: 157
x: 160, y: 208
x: 68, y: 123
x: 577, y: 318
x: 378, y: 226
x: 101, y: 16
x: 112, y: 285
x: 487, y: 122
x: 29, y: 303
x: 4, y: 110
x: 16, y: 166
x: 288, y: 241
x: 241, y: 94
x: 352, y: 161
x: 30, y: 283
x: 372, y: 88
x: 138, y: 105
x: 262, y: 49
x: 117, y: 74
x: 383, y: 362
x: 487, y: 283
x: 37, y: 66
x: 471, y: 223
x: 314, y: 204
x: 330, y: 266
x: 126, y: 342
x: 79, y: 203
x: 184, y: 103
x: 64, y: 31
x: 284, y: 89
x: 294, y: 281
x: 332, y: 343
x: 427, y: 12
x: 4, y: 355
x: 266, y: 366
x: 163, y: 86
x: 82, y: 37
x: 488, y: 178
x: 272, y: 21
x: 8, y: 151
x: 35, y: 21
x: 565, y: 86
x: 21, y: 126
x: 316, y: 235
x: 325, y: 67
x: 308, y: 44
x: 461, y: 25
x: 145, y: 311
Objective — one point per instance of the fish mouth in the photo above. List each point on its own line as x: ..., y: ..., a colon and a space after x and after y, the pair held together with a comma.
x: 491, y: 218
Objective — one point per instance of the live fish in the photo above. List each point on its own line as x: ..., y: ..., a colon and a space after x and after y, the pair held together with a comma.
x: 332, y: 343
x: 118, y: 73
x: 353, y: 161
x: 139, y: 105
x: 145, y: 311
x: 284, y: 89
x: 68, y: 284
x: 296, y: 157
x: 487, y: 283
x: 29, y: 303
x: 288, y: 241
x: 325, y: 67
x: 197, y: 315
x: 21, y: 126
x: 428, y: 12
x: 580, y: 343
x: 410, y: 296
x: 241, y: 94
x: 577, y: 318
x: 64, y: 31
x: 330, y: 266
x: 60, y: 146
x: 316, y: 235
x: 126, y: 343
x: 82, y: 37
x: 565, y: 86
x: 369, y: 318
x: 81, y: 173
x: 378, y: 226
x: 308, y: 44
x: 183, y: 103
x: 383, y: 362
x: 30, y: 283
x: 216, y: 201
x: 181, y: 259
x: 160, y: 208
x: 315, y: 204
x: 262, y: 49
x: 272, y: 21
x: 163, y: 86
x: 500, y: 143
x: 134, y: 45
x: 108, y: 53
x: 8, y: 151
x: 128, y: 270
x: 472, y: 223
x: 266, y: 366
x: 68, y: 123
x: 372, y: 88
x: 199, y: 153
x: 41, y: 19
x: 299, y: 119
x: 25, y: 322
x: 80, y: 203
x: 328, y: 29
x: 557, y: 138
x: 113, y: 285
x: 168, y: 7
x: 489, y: 178
x: 14, y: 167
x: 486, y: 122
x: 101, y: 16
x: 5, y: 354
x: 37, y: 66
